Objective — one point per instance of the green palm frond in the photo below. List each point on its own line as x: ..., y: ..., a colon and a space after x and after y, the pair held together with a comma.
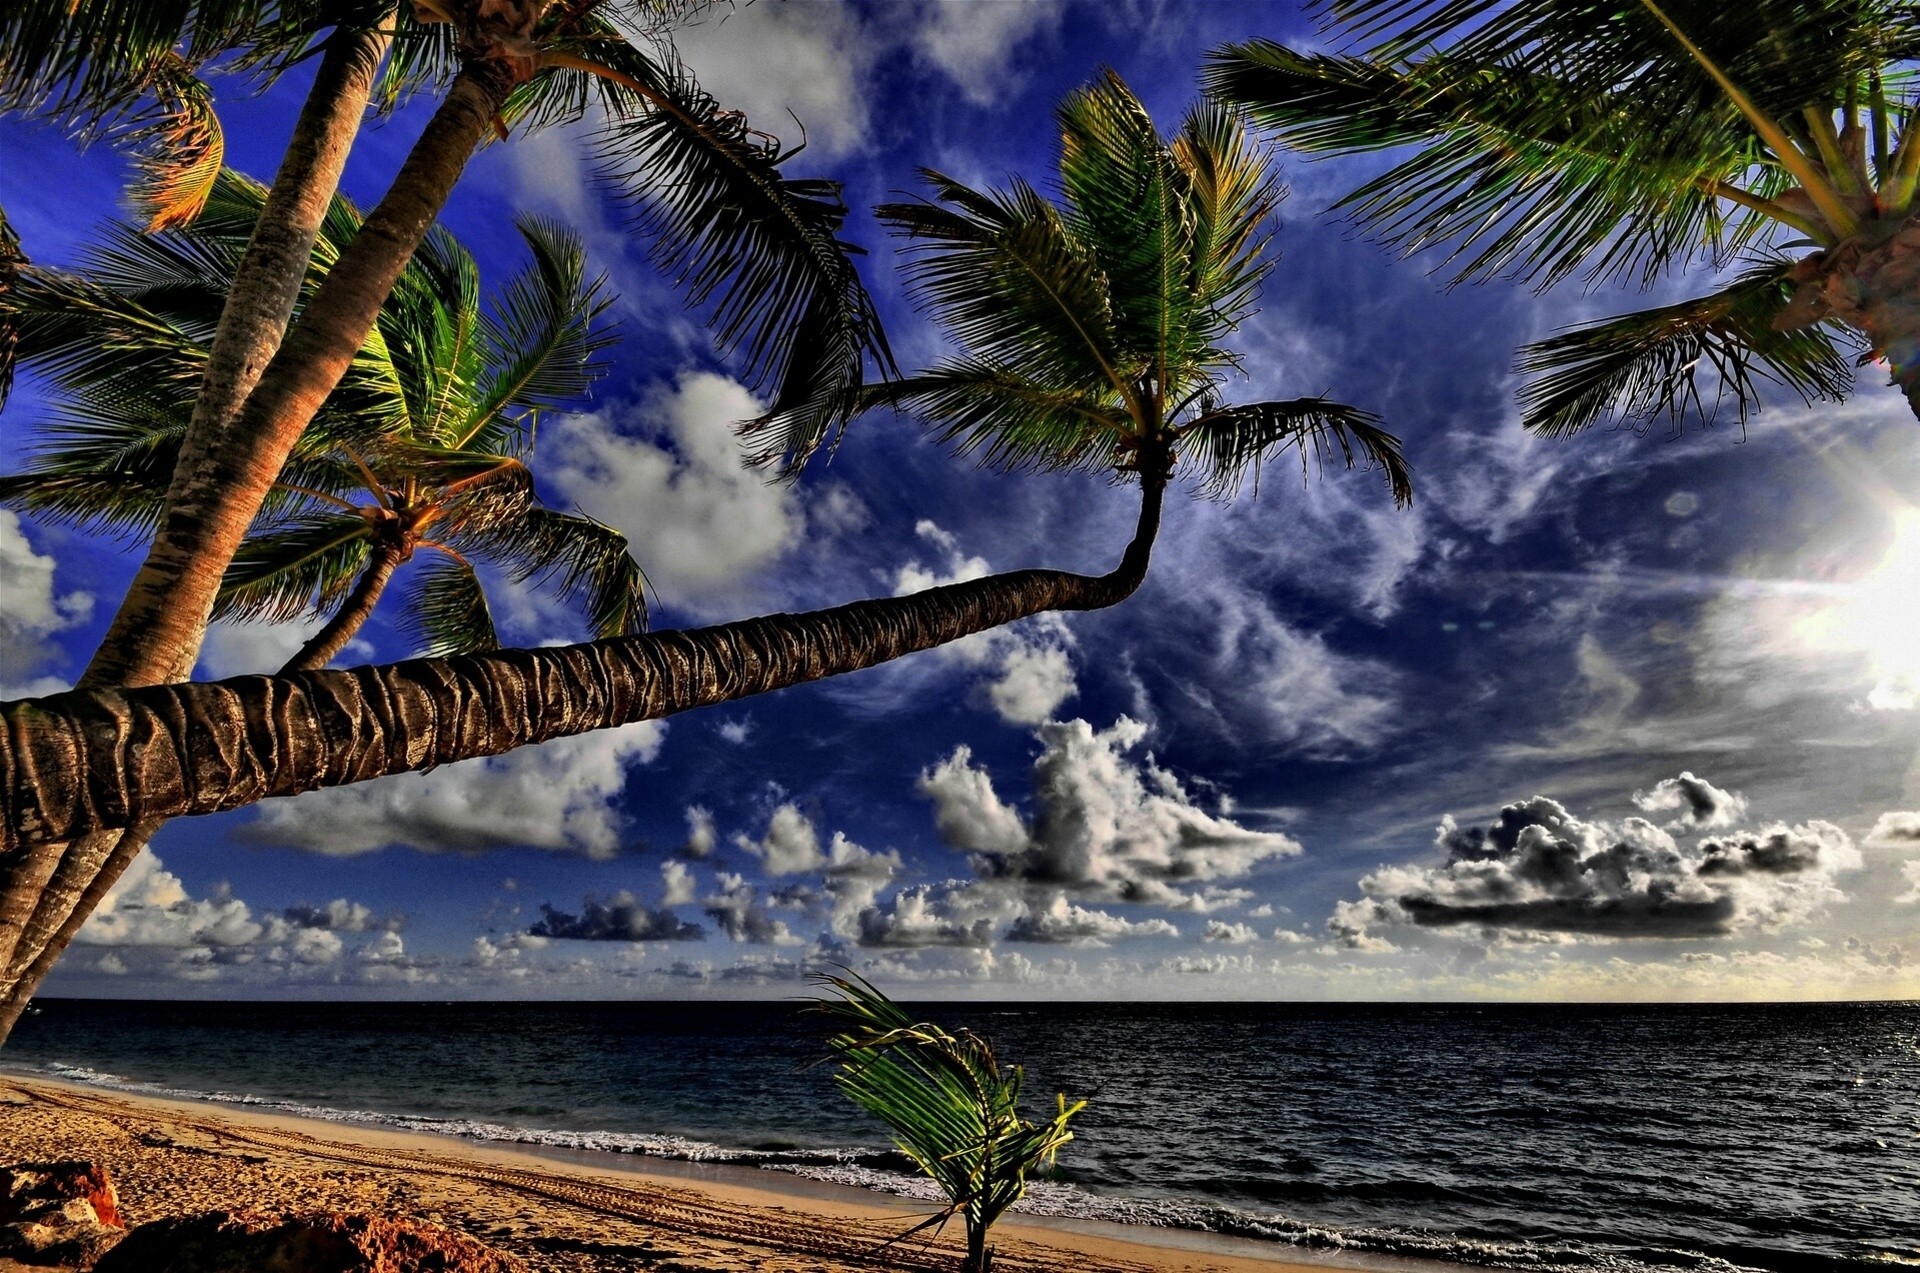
x: 952, y: 1108
x: 1009, y: 421
x: 579, y: 558
x: 543, y: 333
x: 304, y: 567
x: 1521, y: 174
x: 1011, y: 282
x: 1231, y: 444
x: 759, y: 250
x: 1640, y: 367
x: 446, y: 608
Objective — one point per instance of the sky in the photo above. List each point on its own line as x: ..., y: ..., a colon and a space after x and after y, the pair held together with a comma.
x: 1628, y: 716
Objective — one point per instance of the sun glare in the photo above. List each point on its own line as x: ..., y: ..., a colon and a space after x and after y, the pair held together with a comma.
x: 1879, y: 616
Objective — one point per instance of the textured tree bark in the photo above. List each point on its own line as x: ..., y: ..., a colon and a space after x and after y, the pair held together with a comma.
x: 331, y: 639
x: 92, y: 760
x: 160, y: 623
x: 91, y: 866
x: 1871, y: 282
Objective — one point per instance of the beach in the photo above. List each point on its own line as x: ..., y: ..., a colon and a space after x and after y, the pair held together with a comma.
x: 171, y: 1157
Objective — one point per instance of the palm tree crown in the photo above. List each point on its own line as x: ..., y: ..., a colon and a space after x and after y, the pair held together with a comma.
x: 423, y: 445
x: 1625, y: 142
x: 1094, y: 330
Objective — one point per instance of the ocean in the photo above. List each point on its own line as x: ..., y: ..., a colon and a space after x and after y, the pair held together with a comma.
x: 1776, y: 1137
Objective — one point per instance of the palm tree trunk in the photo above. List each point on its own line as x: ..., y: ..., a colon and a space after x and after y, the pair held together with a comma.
x: 163, y: 618
x: 91, y: 760
x: 331, y: 639
x: 1871, y: 282
x: 91, y: 866
x: 38, y: 889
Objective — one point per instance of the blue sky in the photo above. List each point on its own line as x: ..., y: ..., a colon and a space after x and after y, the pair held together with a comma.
x: 1269, y: 774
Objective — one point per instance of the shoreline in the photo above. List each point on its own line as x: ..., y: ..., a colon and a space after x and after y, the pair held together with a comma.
x: 163, y: 1147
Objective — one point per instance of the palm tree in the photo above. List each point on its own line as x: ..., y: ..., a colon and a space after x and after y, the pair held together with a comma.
x: 1095, y: 334
x: 758, y: 250
x: 1627, y: 142
x: 423, y: 445
x: 952, y: 1108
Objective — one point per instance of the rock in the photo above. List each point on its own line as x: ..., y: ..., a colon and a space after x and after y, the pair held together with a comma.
x: 328, y: 1242
x: 57, y: 1213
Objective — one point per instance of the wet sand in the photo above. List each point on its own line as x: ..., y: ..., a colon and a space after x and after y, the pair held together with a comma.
x: 570, y: 1211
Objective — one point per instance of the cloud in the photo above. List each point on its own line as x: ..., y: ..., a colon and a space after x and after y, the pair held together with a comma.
x: 679, y: 884
x: 669, y: 475
x: 952, y: 914
x: 1539, y: 868
x: 1895, y: 828
x: 776, y: 62
x: 247, y: 649
x: 32, y: 615
x: 1910, y: 871
x: 1059, y: 921
x: 558, y: 795
x: 790, y: 846
x: 1701, y: 805
x: 974, y: 44
x: 622, y: 917
x: 1034, y: 681
x: 1232, y: 934
x: 151, y: 925
x: 1104, y: 826
x: 701, y: 836
x: 737, y: 909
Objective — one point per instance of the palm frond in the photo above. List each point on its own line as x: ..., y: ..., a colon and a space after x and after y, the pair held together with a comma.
x: 1521, y: 173
x: 446, y: 609
x: 542, y: 334
x: 304, y: 567
x: 1231, y: 444
x: 179, y: 148
x: 759, y: 250
x: 580, y: 559
x: 1008, y: 420
x: 1011, y: 282
x: 1643, y: 366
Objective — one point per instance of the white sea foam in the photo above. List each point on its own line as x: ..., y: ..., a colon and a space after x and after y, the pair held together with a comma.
x: 856, y: 1168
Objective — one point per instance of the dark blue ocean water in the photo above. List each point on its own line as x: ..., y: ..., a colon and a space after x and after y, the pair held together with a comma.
x: 1770, y: 1137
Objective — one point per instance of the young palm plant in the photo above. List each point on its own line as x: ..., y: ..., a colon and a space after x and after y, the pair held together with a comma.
x: 1095, y: 334
x: 424, y: 445
x: 952, y: 1107
x: 1631, y: 141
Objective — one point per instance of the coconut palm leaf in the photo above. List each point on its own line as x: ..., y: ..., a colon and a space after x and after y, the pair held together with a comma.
x: 305, y: 566
x: 543, y: 333
x: 760, y: 250
x: 1231, y: 444
x: 1007, y: 421
x: 579, y: 558
x: 952, y: 1108
x: 446, y: 608
x: 1643, y: 366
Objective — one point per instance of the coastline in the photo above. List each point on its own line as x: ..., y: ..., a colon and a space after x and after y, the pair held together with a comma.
x: 560, y: 1208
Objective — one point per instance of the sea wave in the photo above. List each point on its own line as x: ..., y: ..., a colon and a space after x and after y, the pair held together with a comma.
x: 878, y: 1170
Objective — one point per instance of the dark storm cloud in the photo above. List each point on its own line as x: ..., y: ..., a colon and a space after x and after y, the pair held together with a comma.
x: 621, y: 917
x: 1539, y: 868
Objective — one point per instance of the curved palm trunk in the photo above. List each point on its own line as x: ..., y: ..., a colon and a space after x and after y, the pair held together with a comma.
x: 39, y: 889
x: 340, y: 629
x: 91, y: 760
x: 211, y: 503
x: 104, y: 857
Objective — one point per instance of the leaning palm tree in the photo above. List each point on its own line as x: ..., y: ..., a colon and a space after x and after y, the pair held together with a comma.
x: 1632, y: 141
x: 1096, y: 334
x: 758, y: 250
x: 423, y: 447
x: 954, y: 1110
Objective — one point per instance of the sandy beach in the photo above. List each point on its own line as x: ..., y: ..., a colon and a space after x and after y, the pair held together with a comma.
x: 174, y: 1157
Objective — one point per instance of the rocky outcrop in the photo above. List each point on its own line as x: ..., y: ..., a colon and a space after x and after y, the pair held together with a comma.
x: 257, y: 1242
x: 57, y: 1213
